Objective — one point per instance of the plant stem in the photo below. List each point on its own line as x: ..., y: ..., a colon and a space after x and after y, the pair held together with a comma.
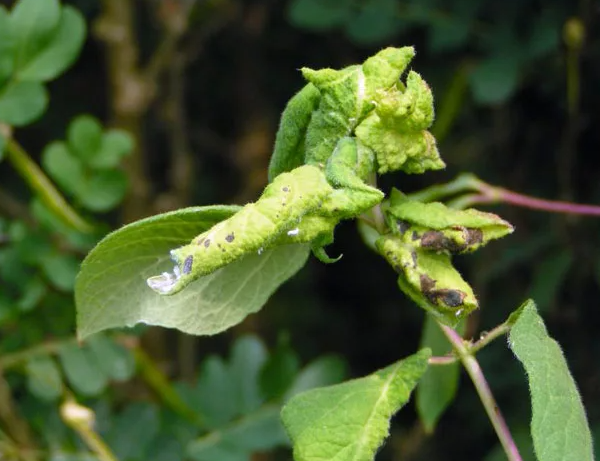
x: 485, y: 393
x: 40, y: 183
x: 488, y: 337
x: 462, y: 183
x: 81, y: 419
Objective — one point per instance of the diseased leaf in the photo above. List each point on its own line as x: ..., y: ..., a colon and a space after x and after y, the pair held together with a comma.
x: 22, y: 102
x: 559, y: 425
x: 349, y: 421
x: 60, y: 51
x: 111, y: 289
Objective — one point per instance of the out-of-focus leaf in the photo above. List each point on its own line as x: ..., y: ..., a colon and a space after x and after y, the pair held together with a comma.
x: 115, y: 144
x: 63, y: 167
x: 559, y: 425
x: 319, y: 15
x: 548, y: 279
x: 349, y: 421
x: 2, y: 145
x: 33, y: 24
x: 111, y: 289
x: 115, y: 360
x: 22, y: 102
x: 6, y: 47
x: 84, y: 136
x: 215, y: 393
x: 133, y: 432
x: 247, y: 358
x: 375, y: 22
x: 545, y: 34
x: 104, y: 190
x: 82, y: 370
x: 437, y: 387
x: 43, y: 378
x: 61, y: 270
x: 496, y: 78
x: 61, y: 49
x: 33, y: 292
x: 324, y: 371
x: 279, y: 371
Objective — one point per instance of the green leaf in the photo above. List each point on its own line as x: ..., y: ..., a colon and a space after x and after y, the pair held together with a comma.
x: 111, y: 289
x: 349, y: 421
x: 215, y: 393
x: 324, y: 371
x: 6, y: 46
x: 115, y: 361
x: 63, y: 167
x: 43, y: 378
x: 550, y: 274
x: 2, y: 145
x: 319, y: 15
x: 59, y: 51
x: 279, y: 371
x: 81, y: 370
x: 559, y: 425
x: 33, y: 23
x: 375, y: 22
x: 437, y: 387
x: 84, y: 137
x: 248, y: 355
x: 61, y: 270
x: 104, y: 190
x: 133, y: 432
x: 496, y: 78
x: 22, y: 102
x: 258, y: 431
x: 115, y: 145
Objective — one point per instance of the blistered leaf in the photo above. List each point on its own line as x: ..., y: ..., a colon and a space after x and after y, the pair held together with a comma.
x: 60, y: 51
x: 559, y: 425
x: 111, y: 289
x: 43, y: 378
x: 436, y: 227
x: 349, y: 421
x: 22, y: 102
x: 429, y: 279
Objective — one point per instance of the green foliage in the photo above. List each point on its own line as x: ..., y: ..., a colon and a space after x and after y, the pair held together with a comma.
x: 39, y: 41
x: 86, y: 165
x: 559, y: 425
x: 349, y: 421
x: 111, y: 290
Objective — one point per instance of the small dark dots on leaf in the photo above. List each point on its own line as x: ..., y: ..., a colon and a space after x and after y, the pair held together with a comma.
x: 285, y: 189
x: 427, y: 283
x: 187, y: 264
x: 402, y: 226
x: 415, y: 236
x: 230, y: 238
x: 207, y: 243
x: 200, y: 241
x: 413, y: 255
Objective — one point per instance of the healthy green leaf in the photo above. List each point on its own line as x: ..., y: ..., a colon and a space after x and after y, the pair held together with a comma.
x: 496, y: 78
x: 6, y: 46
x: 115, y: 145
x: 111, y: 289
x: 104, y: 190
x: 375, y: 22
x: 112, y: 358
x: 134, y: 430
x: 437, y: 387
x: 81, y: 370
x: 319, y: 15
x: 61, y: 270
x: 59, y: 51
x: 215, y: 393
x: 63, y: 167
x: 248, y: 355
x: 22, y: 102
x: 33, y: 24
x: 279, y: 370
x: 559, y: 425
x: 84, y: 137
x: 258, y: 431
x: 43, y: 378
x: 549, y: 277
x: 349, y: 421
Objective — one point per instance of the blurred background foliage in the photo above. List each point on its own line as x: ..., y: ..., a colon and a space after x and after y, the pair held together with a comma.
x: 199, y: 86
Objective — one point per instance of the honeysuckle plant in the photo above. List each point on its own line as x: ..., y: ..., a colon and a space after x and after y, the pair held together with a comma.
x: 204, y: 269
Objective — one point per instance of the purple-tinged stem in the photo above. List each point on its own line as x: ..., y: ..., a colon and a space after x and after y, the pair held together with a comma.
x: 485, y: 393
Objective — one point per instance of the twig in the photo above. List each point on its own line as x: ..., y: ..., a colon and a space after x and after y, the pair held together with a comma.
x: 485, y: 393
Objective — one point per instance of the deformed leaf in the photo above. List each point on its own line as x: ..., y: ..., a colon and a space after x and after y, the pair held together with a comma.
x: 43, y: 378
x: 559, y: 425
x: 349, y: 421
x: 111, y: 289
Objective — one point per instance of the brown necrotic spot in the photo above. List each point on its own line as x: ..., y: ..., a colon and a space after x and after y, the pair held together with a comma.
x: 207, y: 243
x: 473, y: 236
x: 427, y: 283
x: 451, y: 298
x: 230, y: 238
x: 187, y: 264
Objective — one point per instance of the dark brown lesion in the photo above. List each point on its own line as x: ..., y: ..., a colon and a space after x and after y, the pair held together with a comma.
x: 230, y: 238
x: 473, y: 236
x: 444, y: 296
x: 437, y: 241
x: 187, y: 265
x: 402, y: 226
